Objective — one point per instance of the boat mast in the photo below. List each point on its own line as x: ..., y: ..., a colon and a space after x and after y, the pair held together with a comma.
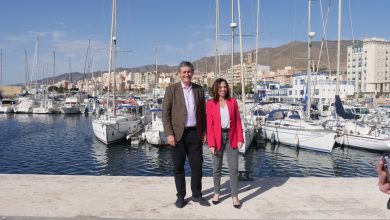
x: 233, y: 25
x: 70, y: 73
x: 54, y: 66
x: 310, y: 36
x: 35, y: 72
x: 241, y: 58
x: 257, y: 45
x: 217, y: 72
x: 338, y: 50
x: 155, y: 81
x: 86, y: 61
x: 1, y: 71
x: 112, y: 50
x: 28, y: 85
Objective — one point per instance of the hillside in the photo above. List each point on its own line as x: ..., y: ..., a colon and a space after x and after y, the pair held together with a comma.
x: 291, y: 54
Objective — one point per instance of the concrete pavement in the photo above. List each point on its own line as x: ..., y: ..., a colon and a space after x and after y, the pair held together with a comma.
x: 129, y: 197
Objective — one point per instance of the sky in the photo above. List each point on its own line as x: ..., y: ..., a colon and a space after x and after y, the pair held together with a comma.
x: 178, y: 29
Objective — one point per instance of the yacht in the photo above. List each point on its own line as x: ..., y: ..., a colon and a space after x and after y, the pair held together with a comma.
x: 74, y: 104
x: 287, y: 127
x: 154, y: 131
x: 25, y: 105
x: 7, y: 105
x: 46, y: 106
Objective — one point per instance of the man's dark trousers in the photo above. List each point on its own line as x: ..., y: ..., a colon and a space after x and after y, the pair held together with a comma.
x: 190, y: 145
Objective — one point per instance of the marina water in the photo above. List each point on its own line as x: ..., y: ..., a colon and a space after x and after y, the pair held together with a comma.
x: 65, y: 144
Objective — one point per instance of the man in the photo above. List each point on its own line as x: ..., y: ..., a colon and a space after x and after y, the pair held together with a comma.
x: 184, y: 122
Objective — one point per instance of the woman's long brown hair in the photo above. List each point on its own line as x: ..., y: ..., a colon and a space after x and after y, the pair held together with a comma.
x: 215, y: 88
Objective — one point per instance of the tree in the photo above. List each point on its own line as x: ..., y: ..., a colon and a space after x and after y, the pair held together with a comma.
x: 61, y: 89
x: 52, y: 88
x: 237, y: 89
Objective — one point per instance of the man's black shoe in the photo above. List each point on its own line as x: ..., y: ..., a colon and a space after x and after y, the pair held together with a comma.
x: 180, y: 203
x: 201, y: 201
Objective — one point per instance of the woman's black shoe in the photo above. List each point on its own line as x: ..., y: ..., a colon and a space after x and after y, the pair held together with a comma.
x: 215, y: 202
x: 237, y: 206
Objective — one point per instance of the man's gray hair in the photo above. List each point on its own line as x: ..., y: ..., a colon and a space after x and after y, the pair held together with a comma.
x: 186, y: 64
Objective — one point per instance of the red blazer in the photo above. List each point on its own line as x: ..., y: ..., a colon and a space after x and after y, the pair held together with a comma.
x: 213, y: 121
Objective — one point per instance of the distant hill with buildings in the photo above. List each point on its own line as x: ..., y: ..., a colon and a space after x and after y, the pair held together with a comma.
x: 292, y: 54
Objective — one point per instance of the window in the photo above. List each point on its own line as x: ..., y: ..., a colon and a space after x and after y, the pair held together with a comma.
x: 302, y: 92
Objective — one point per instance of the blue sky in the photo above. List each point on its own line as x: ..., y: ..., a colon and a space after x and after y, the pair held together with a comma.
x: 180, y: 29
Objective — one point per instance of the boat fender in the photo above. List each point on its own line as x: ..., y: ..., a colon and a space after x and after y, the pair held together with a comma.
x: 273, y: 138
x: 296, y: 140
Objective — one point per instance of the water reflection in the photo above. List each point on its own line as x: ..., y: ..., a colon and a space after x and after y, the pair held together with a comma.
x: 350, y: 162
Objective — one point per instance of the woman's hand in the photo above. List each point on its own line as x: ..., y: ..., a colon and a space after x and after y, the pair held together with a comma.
x: 239, y: 145
x: 212, y: 150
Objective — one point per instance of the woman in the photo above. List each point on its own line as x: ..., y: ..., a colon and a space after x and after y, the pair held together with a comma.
x: 224, y: 132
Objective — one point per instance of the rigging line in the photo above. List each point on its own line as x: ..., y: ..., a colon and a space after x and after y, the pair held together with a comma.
x: 208, y: 35
x: 350, y: 19
x: 324, y: 38
x: 326, y: 42
x: 293, y: 32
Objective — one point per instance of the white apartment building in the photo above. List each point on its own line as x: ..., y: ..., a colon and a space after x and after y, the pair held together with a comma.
x: 323, y: 89
x: 368, y: 66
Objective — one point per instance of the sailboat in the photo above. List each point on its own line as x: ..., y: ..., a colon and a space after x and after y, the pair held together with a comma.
x: 154, y: 131
x: 27, y: 103
x: 288, y: 127
x: 352, y: 132
x: 110, y: 127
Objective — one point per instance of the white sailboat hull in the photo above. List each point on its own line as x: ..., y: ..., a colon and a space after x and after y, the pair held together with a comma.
x: 6, y: 109
x: 23, y: 110
x: 359, y: 135
x: 155, y: 137
x: 42, y: 110
x: 364, y: 142
x: 115, y: 128
x: 313, y: 139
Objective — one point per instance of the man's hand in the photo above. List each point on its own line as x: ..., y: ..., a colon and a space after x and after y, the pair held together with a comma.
x: 171, y: 140
x: 239, y: 145
x: 212, y: 150
x: 384, y: 186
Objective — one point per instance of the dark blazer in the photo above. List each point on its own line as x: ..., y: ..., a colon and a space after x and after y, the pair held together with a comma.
x: 174, y: 112
x: 214, y: 132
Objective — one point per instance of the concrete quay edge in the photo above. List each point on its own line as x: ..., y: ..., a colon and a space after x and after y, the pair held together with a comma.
x: 139, y: 197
